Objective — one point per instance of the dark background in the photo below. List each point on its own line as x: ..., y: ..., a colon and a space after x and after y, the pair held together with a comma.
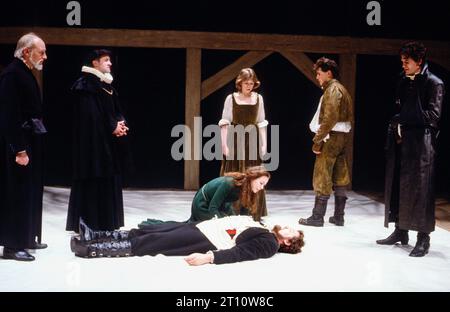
x: 151, y: 82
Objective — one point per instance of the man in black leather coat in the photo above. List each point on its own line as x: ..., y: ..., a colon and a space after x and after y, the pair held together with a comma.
x: 411, y: 150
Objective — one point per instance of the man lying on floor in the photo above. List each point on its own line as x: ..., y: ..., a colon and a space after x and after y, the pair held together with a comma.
x: 225, y: 240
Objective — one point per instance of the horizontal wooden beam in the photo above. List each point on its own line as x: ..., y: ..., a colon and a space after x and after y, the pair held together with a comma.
x: 303, y: 64
x: 230, y: 72
x: 215, y: 40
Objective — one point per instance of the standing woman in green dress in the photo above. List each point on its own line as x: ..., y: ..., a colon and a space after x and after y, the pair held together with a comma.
x: 243, y: 149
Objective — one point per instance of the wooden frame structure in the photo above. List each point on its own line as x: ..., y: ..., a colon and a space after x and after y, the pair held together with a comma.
x: 259, y: 46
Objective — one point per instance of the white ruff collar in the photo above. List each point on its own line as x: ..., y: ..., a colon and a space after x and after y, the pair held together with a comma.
x: 106, y: 77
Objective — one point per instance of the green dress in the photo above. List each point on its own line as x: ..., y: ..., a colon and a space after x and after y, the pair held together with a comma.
x: 245, y: 115
x: 215, y: 198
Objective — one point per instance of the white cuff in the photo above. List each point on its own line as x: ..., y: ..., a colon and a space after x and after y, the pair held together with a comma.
x: 263, y: 124
x: 212, y: 256
x: 224, y: 122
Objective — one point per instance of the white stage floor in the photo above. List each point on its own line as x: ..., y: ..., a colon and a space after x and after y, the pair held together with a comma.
x: 333, y: 259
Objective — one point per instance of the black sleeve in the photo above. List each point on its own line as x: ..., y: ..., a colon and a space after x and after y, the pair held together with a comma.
x: 433, y: 113
x: 12, y: 116
x: 252, y: 246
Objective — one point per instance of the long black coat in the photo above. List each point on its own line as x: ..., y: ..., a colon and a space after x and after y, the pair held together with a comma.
x: 410, y: 166
x: 96, y: 151
x: 21, y: 187
x: 98, y: 156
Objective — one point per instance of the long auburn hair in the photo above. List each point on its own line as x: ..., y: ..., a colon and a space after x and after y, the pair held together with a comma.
x: 243, y: 180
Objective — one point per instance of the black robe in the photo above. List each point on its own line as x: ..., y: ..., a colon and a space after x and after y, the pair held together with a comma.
x: 21, y: 128
x: 96, y: 193
x: 410, y: 166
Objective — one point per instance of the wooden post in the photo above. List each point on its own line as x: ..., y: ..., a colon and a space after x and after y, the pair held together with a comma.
x: 347, y: 64
x: 192, y: 109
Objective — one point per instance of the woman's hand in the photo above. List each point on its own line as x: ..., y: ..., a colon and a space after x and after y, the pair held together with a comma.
x: 198, y: 258
x: 225, y: 150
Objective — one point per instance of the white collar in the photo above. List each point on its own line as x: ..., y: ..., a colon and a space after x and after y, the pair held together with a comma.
x: 106, y: 77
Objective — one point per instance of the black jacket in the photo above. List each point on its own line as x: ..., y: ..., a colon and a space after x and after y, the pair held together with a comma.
x: 251, y: 244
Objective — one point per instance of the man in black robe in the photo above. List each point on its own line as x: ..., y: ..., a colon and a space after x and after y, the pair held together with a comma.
x: 99, y: 130
x: 411, y: 150
x: 21, y: 169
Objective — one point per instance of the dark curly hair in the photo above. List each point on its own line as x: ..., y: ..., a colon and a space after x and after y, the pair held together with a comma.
x: 326, y: 64
x: 415, y: 50
x: 296, y: 243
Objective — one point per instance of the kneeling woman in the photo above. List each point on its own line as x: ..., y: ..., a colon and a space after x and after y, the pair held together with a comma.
x: 216, y: 198
x: 225, y: 240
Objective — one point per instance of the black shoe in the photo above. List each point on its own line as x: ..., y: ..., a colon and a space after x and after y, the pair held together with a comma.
x: 397, y: 236
x: 339, y: 221
x: 39, y: 246
x: 312, y: 221
x: 16, y: 254
x: 422, y: 245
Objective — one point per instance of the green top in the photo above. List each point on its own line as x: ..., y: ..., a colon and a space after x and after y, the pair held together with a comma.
x: 215, y: 198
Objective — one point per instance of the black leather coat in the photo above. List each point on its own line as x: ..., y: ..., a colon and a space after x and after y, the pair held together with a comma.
x: 410, y: 160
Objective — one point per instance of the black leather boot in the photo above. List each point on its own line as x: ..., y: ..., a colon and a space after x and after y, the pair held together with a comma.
x: 422, y: 245
x: 397, y: 236
x: 320, y: 207
x: 92, y: 249
x: 339, y: 206
x: 87, y: 234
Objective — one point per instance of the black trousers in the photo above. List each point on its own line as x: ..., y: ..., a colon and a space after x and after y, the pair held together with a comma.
x: 170, y: 239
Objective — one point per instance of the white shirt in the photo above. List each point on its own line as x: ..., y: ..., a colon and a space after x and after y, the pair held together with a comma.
x: 216, y: 229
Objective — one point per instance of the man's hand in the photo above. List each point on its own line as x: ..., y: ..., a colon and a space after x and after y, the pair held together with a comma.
x: 22, y: 158
x: 198, y: 259
x: 121, y: 129
x: 317, y: 148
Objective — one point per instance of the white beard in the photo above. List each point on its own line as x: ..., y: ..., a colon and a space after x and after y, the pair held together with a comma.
x: 36, y: 64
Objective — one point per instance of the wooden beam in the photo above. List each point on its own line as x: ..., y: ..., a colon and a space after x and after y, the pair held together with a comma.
x: 347, y: 64
x: 444, y: 62
x: 230, y: 72
x: 216, y: 40
x: 303, y: 64
x: 192, y: 109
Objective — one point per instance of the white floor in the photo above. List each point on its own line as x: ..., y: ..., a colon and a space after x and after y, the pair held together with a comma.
x: 334, y: 258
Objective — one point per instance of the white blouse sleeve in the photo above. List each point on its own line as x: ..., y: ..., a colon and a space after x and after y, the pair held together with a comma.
x: 227, y: 114
x: 261, y: 120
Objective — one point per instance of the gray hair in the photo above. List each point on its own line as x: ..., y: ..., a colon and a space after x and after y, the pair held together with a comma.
x: 26, y: 41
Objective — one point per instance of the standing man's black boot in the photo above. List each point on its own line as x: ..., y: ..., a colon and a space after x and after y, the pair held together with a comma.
x: 339, y: 206
x: 397, y: 236
x: 422, y: 245
x: 320, y: 207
